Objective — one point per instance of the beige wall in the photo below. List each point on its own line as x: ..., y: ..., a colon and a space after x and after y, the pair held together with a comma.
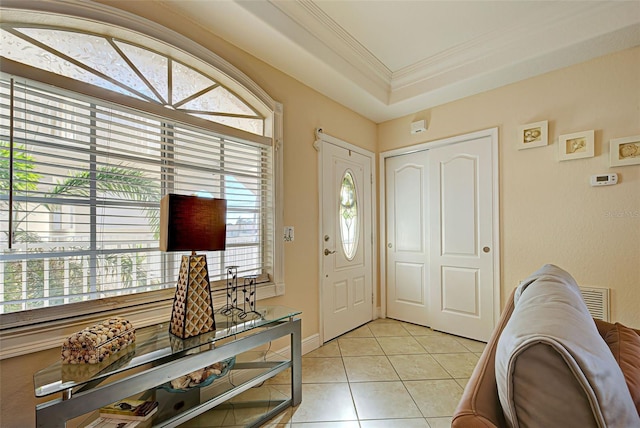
x: 548, y: 211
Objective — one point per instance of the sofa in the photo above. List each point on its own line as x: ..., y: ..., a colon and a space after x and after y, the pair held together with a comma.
x: 548, y: 363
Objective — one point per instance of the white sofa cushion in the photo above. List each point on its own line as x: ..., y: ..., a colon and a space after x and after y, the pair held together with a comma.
x: 552, y: 366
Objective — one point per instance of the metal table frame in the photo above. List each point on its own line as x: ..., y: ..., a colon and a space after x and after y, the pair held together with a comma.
x: 56, y: 412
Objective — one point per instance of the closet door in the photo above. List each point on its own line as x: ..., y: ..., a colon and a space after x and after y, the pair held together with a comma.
x: 407, y: 228
x: 441, y: 249
x: 461, y: 292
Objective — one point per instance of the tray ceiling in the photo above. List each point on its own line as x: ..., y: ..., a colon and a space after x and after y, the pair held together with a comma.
x: 390, y: 58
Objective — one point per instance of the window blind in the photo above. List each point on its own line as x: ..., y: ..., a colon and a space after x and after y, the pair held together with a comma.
x: 81, y: 181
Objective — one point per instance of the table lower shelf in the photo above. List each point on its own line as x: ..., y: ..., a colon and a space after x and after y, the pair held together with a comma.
x: 246, y: 396
x: 233, y: 389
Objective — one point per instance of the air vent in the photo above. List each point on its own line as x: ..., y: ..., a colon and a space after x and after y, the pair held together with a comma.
x: 597, y: 300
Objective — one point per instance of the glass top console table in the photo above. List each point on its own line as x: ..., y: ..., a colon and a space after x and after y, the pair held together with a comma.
x: 157, y: 357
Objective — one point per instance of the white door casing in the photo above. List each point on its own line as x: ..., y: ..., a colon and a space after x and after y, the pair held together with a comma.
x: 460, y: 269
x: 346, y: 285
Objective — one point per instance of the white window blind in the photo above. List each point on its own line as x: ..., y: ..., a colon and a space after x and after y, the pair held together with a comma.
x: 81, y: 180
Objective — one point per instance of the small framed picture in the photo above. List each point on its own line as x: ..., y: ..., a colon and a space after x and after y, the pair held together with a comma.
x: 533, y: 135
x: 576, y: 146
x: 624, y: 151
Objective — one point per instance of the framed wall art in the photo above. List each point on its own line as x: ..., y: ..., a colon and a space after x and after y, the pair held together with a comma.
x: 624, y: 151
x: 533, y: 135
x: 576, y: 146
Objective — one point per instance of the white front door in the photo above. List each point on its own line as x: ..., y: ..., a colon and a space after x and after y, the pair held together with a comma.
x: 461, y: 183
x: 441, y: 249
x: 347, y: 245
x: 407, y: 227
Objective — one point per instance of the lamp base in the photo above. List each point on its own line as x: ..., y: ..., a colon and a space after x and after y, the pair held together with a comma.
x: 192, y: 312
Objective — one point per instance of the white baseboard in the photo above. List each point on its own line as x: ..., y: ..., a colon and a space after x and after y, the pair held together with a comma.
x: 309, y: 344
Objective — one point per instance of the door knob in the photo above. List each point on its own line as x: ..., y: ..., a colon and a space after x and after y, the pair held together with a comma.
x: 486, y: 249
x: 327, y: 252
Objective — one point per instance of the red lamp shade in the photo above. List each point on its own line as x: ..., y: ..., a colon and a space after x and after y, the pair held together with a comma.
x: 192, y: 223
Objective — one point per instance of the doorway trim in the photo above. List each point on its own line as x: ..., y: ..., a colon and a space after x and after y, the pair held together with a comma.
x: 321, y: 138
x: 491, y: 133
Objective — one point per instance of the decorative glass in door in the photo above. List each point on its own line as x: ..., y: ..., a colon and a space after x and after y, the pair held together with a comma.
x: 349, y: 215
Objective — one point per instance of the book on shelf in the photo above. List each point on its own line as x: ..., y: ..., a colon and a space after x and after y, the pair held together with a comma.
x: 103, y: 422
x: 132, y: 410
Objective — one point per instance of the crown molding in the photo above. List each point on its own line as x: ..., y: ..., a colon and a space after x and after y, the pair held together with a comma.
x: 496, y: 50
x: 574, y: 23
x: 304, y: 29
x: 308, y: 15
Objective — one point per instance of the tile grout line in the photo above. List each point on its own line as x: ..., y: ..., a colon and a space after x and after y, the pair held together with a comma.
x: 404, y: 385
x: 353, y: 400
x: 378, y: 337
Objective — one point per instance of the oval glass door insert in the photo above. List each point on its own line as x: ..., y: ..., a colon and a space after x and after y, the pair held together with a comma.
x: 349, y: 215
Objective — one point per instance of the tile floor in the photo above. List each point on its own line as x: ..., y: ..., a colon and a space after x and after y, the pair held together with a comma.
x: 384, y: 374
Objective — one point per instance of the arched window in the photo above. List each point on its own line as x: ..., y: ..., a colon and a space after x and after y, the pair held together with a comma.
x: 94, y: 130
x: 128, y: 69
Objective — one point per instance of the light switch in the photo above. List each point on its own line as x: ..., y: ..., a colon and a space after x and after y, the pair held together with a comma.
x: 288, y: 234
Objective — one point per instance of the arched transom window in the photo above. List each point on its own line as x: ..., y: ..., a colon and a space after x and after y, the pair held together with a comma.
x: 128, y: 69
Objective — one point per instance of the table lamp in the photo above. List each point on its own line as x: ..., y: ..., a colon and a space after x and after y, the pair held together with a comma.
x: 192, y: 223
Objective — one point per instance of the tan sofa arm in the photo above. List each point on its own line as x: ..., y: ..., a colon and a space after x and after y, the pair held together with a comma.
x: 479, y: 406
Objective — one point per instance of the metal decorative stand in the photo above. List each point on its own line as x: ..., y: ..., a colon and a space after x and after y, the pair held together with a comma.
x: 232, y: 291
x: 249, y: 296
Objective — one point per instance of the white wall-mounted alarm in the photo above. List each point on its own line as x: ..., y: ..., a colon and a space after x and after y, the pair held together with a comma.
x: 604, y: 179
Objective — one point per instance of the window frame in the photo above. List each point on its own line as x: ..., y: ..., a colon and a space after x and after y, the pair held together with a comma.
x: 44, y: 328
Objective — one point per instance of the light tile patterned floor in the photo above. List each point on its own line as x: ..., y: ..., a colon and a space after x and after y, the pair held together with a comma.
x: 384, y: 374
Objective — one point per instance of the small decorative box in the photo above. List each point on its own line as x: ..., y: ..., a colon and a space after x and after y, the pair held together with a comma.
x: 96, y: 343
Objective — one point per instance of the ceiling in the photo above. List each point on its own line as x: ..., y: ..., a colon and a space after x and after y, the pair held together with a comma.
x: 389, y: 58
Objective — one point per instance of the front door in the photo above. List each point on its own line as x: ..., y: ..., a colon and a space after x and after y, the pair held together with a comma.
x: 347, y: 240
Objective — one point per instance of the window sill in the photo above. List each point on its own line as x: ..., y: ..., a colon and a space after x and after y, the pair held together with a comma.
x: 33, y: 331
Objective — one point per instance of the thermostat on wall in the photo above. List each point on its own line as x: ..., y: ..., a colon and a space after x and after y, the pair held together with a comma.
x: 604, y: 179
